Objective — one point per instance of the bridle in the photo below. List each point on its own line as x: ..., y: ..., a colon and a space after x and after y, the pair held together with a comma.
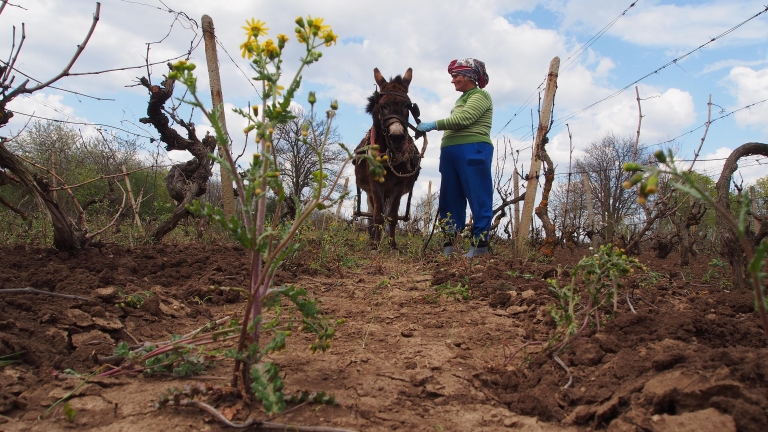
x: 386, y: 121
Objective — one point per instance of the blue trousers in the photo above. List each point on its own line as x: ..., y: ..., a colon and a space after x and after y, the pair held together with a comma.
x: 466, y: 177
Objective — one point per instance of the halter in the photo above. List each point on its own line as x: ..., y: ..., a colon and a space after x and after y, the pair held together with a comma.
x: 387, y: 120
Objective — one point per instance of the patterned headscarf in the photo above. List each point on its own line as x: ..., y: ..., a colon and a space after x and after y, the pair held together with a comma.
x: 473, y: 69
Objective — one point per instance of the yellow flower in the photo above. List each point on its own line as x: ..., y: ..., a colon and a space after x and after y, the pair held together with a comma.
x: 329, y: 37
x: 254, y: 28
x: 279, y: 93
x: 270, y: 49
x: 317, y: 25
x: 282, y: 38
x: 301, y: 35
x: 248, y: 48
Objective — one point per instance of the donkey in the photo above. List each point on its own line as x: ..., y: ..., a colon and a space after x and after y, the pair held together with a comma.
x: 389, y: 108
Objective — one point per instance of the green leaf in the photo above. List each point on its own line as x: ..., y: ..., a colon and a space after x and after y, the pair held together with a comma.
x: 267, y: 385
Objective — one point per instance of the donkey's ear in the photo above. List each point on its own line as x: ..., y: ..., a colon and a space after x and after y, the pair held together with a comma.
x: 379, y: 78
x: 407, y: 77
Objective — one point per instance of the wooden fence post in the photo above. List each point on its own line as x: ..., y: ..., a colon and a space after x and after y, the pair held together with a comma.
x: 338, y: 209
x: 590, y: 209
x: 212, y: 59
x: 541, y: 133
x: 428, y: 214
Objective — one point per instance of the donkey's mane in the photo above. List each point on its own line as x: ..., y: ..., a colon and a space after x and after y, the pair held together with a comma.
x: 398, y: 81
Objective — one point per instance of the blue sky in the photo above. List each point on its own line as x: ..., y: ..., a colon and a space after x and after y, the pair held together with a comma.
x: 516, y: 38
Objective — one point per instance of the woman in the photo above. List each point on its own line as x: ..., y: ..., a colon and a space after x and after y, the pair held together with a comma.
x: 465, y: 157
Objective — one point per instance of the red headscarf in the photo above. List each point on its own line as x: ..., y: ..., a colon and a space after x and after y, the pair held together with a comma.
x: 474, y: 69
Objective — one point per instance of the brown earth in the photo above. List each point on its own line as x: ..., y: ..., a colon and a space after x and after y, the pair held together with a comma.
x: 692, y: 357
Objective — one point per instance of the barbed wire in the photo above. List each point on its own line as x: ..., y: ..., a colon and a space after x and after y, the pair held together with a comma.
x: 703, y: 125
x: 151, y: 139
x: 594, y: 38
x: 578, y: 53
x: 754, y: 162
x: 562, y: 120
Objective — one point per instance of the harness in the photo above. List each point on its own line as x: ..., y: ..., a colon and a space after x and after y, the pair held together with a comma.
x: 409, y: 153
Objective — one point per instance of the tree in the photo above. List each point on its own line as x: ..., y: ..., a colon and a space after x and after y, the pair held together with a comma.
x: 188, y: 180
x: 603, y: 161
x: 297, y: 160
x: 731, y: 246
x: 568, y: 201
x: 67, y: 235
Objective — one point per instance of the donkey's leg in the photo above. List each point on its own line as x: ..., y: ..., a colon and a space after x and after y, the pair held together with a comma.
x: 378, y: 217
x: 394, y: 209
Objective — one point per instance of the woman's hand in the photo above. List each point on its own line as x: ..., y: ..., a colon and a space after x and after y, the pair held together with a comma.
x: 426, y: 126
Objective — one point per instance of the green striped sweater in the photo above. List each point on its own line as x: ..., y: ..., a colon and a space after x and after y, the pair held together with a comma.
x: 470, y: 119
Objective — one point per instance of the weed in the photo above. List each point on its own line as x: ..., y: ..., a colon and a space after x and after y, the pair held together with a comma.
x: 651, y: 278
x: 715, y: 267
x: 134, y: 300
x: 601, y: 274
x: 529, y: 276
x: 268, y: 241
x: 69, y: 412
x: 458, y: 292
x: 9, y: 359
x: 513, y: 273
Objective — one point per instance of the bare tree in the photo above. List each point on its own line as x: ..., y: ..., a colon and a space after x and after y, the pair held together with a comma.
x: 603, y: 162
x: 67, y: 234
x: 299, y: 160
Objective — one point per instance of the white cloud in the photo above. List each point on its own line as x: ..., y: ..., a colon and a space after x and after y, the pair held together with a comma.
x: 749, y: 168
x: 750, y: 86
x: 661, y: 24
x: 43, y: 105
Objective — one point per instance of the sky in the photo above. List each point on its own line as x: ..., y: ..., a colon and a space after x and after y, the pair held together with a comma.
x: 601, y: 53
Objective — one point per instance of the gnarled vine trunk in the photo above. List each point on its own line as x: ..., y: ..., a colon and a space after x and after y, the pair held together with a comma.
x: 730, y: 247
x: 185, y: 181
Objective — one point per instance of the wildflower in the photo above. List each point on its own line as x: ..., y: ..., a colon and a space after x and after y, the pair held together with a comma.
x: 660, y: 156
x: 312, y: 98
x: 301, y: 35
x: 329, y: 37
x: 317, y: 26
x: 270, y: 49
x: 248, y: 48
x: 334, y: 105
x: 255, y: 28
x: 281, y: 40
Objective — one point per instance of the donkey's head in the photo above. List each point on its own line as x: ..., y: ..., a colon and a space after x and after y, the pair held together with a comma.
x: 389, y: 107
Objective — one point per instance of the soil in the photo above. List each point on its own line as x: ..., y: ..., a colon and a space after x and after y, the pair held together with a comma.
x: 692, y: 355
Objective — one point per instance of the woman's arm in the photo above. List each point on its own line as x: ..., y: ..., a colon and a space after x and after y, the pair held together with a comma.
x: 463, y: 117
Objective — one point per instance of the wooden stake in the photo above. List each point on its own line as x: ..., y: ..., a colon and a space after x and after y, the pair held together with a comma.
x: 338, y: 209
x: 541, y: 133
x: 134, y: 204
x: 516, y: 185
x: 590, y: 210
x: 428, y: 214
x: 212, y: 59
x: 639, y: 122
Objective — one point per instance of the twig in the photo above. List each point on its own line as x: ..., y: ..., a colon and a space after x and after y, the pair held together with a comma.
x: 29, y: 290
x: 630, y: 304
x: 254, y: 422
x: 511, y: 356
x: 365, y: 338
x: 72, y: 61
x: 570, y: 375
